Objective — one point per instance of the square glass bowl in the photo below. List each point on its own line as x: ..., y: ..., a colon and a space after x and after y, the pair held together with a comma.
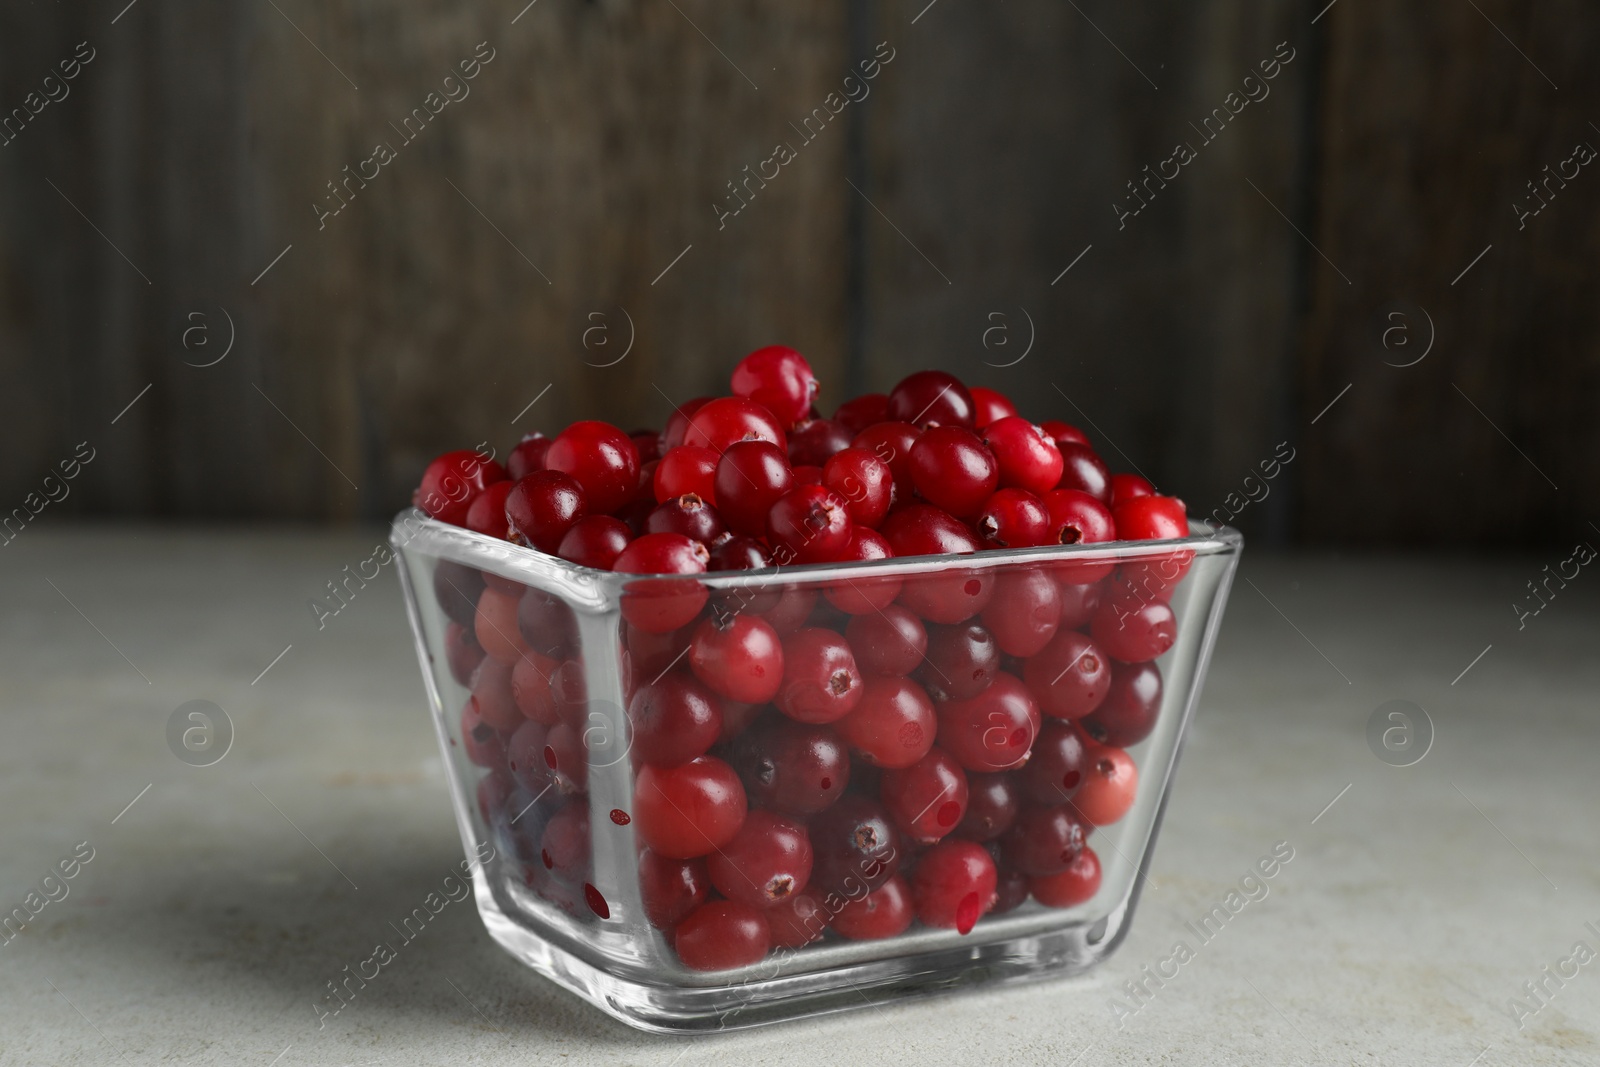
x: 531, y: 664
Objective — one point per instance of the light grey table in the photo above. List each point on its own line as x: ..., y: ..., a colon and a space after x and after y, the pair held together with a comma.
x: 220, y: 900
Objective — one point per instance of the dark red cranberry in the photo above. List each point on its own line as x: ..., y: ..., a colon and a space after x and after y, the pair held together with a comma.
x: 791, y: 766
x: 868, y: 408
x: 768, y: 860
x: 809, y: 524
x: 989, y: 406
x: 1024, y: 612
x: 739, y: 657
x: 864, y: 481
x: 601, y: 458
x: 1064, y: 433
x: 595, y: 541
x: 663, y: 604
x: 546, y: 624
x: 954, y: 885
x: 751, y: 477
x: 893, y: 725
x: 804, y: 475
x: 687, y: 515
x: 813, y: 442
x: 678, y: 423
x: 1067, y: 889
x: 722, y: 934
x: 686, y: 469
x: 1058, y: 765
x: 931, y: 398
x: 674, y: 720
x: 993, y: 801
x: 792, y: 610
x: 928, y: 799
x: 892, y: 442
x: 890, y: 642
x: 1084, y: 470
x: 993, y: 730
x: 527, y: 457
x: 1130, y: 708
x: 854, y: 846
x: 457, y: 588
x: 1013, y: 518
x: 821, y: 682
x: 730, y: 419
x: 779, y: 379
x: 451, y: 482
x: 1069, y: 677
x: 951, y: 469
x: 487, y: 514
x: 671, y: 888
x: 1043, y: 840
x: 739, y: 553
x: 1132, y: 629
x: 885, y: 912
x: 1079, y: 602
x: 542, y: 507
x: 960, y: 662
x: 1027, y: 457
x: 1010, y: 891
x: 649, y: 654
x: 1125, y: 487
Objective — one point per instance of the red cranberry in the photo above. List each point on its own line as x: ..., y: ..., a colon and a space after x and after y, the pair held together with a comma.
x: 854, y: 846
x: 1151, y: 518
x: 931, y: 398
x: 720, y: 935
x: 730, y: 419
x: 671, y: 888
x: 796, y: 921
x: 989, y: 406
x: 491, y: 688
x: 542, y: 507
x: 1025, y: 611
x: 566, y: 752
x: 688, y: 810
x: 1013, y: 518
x: 496, y: 627
x: 739, y: 553
x: 928, y: 799
x: 1078, y: 518
x: 527, y: 457
x: 993, y: 801
x: 1110, y: 785
x: 893, y: 725
x: 687, y: 515
x: 892, y: 442
x: 602, y: 459
x: 487, y: 513
x: 483, y: 745
x: 821, y: 682
x: 1067, y: 889
x: 663, y: 604
x: 863, y: 595
x: 1084, y: 470
x: 1069, y: 677
x: 1043, y: 840
x: 462, y: 651
x: 804, y: 475
x: 954, y: 885
x: 457, y: 587
x: 530, y: 688
x: 792, y: 767
x: 993, y: 730
x: 1132, y: 703
x: 892, y: 641
x: 884, y: 912
x: 924, y: 530
x: 779, y: 379
x: 686, y: 469
x: 768, y: 860
x: 1058, y: 766
x: 951, y: 469
x: 674, y: 720
x: 451, y: 481
x: 868, y: 408
x: 1027, y: 457
x: 1125, y: 487
x: 750, y: 478
x: 1064, y: 433
x: 739, y: 657
x: 1130, y: 628
x: 677, y: 427
x: 960, y: 662
x: 811, y: 524
x: 864, y: 481
x: 595, y: 541
x: 792, y: 610
x: 1079, y: 602
x: 813, y: 442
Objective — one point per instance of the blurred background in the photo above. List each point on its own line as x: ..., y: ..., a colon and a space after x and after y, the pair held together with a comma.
x: 1378, y: 250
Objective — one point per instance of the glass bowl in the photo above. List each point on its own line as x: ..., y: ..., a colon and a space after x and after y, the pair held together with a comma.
x: 532, y: 663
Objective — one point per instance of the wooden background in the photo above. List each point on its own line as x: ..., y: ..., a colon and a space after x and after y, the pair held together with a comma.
x: 927, y: 225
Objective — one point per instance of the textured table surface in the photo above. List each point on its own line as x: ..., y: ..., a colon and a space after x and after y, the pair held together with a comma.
x: 216, y: 907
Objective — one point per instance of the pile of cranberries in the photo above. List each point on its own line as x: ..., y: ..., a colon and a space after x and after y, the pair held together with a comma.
x: 825, y: 755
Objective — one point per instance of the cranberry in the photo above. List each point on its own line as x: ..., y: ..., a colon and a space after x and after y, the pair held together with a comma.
x: 566, y: 752
x: 893, y: 725
x: 721, y: 934
x: 805, y: 475
x: 462, y: 651
x: 864, y: 481
x: 1130, y: 628
x: 595, y: 541
x: 1125, y: 487
x: 792, y: 767
x: 1076, y: 885
x: 892, y: 641
x: 649, y: 653
x: 457, y: 587
x: 1024, y: 612
x: 1010, y: 891
x: 810, y: 525
x: 496, y: 627
x: 884, y: 912
x: 1110, y: 785
x: 546, y: 624
x: 602, y: 459
x: 767, y: 860
x: 951, y: 469
x: 677, y: 427
x: 863, y: 595
x: 687, y: 515
x: 931, y: 398
x: 854, y: 846
x: 541, y: 508
x: 1013, y: 518
x: 779, y: 379
x: 1079, y: 602
x: 686, y: 469
x: 989, y: 406
x: 954, y: 885
x: 813, y: 442
x: 1064, y: 433
x: 491, y: 688
x: 892, y: 442
x: 1151, y: 518
x: 736, y: 718
x: 674, y: 720
x: 993, y: 730
x: 1132, y: 703
x: 487, y: 513
x: 927, y: 799
x: 451, y: 481
x: 494, y: 791
x: 671, y: 888
x: 1084, y: 470
x: 530, y: 688
x: 1043, y: 840
x: 483, y: 745
x: 792, y: 610
x: 993, y: 801
x: 565, y: 846
x: 796, y: 921
x: 730, y: 419
x: 688, y: 810
x: 868, y: 408
x: 739, y: 553
x: 1078, y: 518
x: 961, y: 661
x: 1027, y: 457
x: 821, y: 682
x: 1069, y: 677
x: 739, y: 657
x: 528, y: 456
x: 751, y: 476
x: 1058, y: 766
x: 662, y: 605
x: 648, y: 442
x: 922, y: 530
